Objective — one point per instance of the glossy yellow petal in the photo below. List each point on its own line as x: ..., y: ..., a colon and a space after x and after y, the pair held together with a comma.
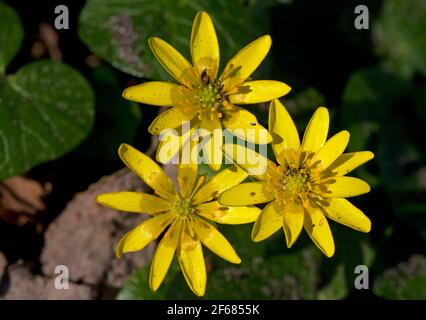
x: 246, y: 194
x: 293, y: 222
x: 243, y: 124
x: 350, y: 161
x: 269, y: 222
x: 212, y: 140
x: 251, y: 161
x: 227, y: 215
x: 204, y: 45
x: 316, y: 131
x: 225, y: 179
x: 258, y: 91
x: 139, y: 237
x: 163, y: 256
x: 215, y: 241
x: 188, y: 172
x: 155, y: 93
x: 171, y: 142
x: 173, y: 62
x: 332, y: 149
x: 282, y: 128
x: 344, y: 212
x: 344, y: 187
x: 316, y: 225
x: 134, y: 202
x: 243, y: 64
x: 148, y: 171
x: 191, y: 262
x: 171, y: 119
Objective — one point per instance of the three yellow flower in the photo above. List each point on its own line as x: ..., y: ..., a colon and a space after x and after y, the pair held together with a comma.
x: 306, y: 186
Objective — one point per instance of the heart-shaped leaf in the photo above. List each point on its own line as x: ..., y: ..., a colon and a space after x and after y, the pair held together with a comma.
x: 118, y: 31
x: 46, y: 109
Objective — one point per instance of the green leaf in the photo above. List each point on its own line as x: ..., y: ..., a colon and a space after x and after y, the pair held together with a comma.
x: 405, y: 281
x: 118, y: 31
x: 46, y: 109
x: 11, y: 35
x: 399, y: 34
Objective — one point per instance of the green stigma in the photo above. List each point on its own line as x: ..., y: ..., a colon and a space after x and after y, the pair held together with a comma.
x: 183, y: 207
x: 295, y: 183
x: 208, y: 95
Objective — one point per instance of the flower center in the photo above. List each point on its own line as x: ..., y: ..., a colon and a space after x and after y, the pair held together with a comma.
x: 183, y: 207
x: 295, y: 178
x: 295, y: 182
x: 211, y: 98
x: 208, y: 96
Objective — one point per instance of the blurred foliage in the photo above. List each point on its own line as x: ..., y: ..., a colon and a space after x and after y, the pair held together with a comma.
x: 46, y: 107
x: 405, y: 281
x: 400, y: 36
x: 118, y: 31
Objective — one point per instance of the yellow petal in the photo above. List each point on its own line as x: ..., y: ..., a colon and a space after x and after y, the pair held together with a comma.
x: 156, y: 93
x: 243, y: 124
x: 215, y: 241
x: 254, y: 163
x: 134, y: 202
x: 246, y: 194
x: 344, y: 187
x: 283, y: 130
x: 269, y: 222
x: 332, y: 149
x: 171, y: 119
x: 171, y: 142
x: 163, y: 256
x: 188, y: 173
x: 316, y: 131
x: 227, y: 215
x: 293, y: 222
x: 204, y: 45
x: 139, y: 237
x: 225, y: 179
x: 243, y: 64
x: 344, y: 212
x: 191, y: 262
x: 350, y: 161
x: 148, y: 171
x: 316, y: 225
x: 173, y: 62
x: 212, y: 140
x: 258, y: 91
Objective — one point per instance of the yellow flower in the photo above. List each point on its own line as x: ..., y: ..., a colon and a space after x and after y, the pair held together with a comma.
x: 307, y: 185
x: 203, y: 98
x: 185, y: 215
